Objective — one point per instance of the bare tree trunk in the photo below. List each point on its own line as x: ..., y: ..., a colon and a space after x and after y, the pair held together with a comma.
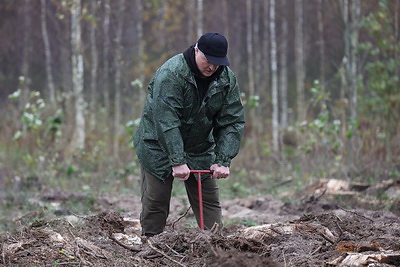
x: 274, y: 69
x: 66, y: 88
x: 78, y: 140
x: 162, y: 25
x: 321, y: 45
x: 351, y: 18
x: 254, y: 125
x: 236, y: 58
x: 225, y: 17
x: 266, y: 52
x: 343, y: 70
x: 47, y: 50
x: 250, y: 63
x: 65, y: 51
x: 258, y: 78
x: 249, y: 46
x: 396, y: 51
x: 190, y: 27
x: 199, y: 18
x: 396, y: 30
x: 25, y: 80
x: 139, y: 28
x: 300, y: 61
x: 106, y: 54
x: 353, y: 68
x: 93, y: 71
x: 257, y: 43
x: 118, y: 71
x: 283, y: 67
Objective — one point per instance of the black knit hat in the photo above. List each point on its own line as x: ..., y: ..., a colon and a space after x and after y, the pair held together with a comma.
x: 215, y: 47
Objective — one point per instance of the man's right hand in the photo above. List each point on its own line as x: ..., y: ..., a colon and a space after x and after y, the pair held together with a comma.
x: 181, y: 171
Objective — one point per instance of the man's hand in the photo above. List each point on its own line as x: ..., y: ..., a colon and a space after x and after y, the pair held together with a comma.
x: 219, y: 171
x: 181, y: 171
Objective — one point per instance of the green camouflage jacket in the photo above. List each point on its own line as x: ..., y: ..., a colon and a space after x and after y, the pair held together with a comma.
x: 175, y: 128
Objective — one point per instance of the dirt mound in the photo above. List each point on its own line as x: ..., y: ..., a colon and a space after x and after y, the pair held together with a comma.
x: 108, y: 239
x: 103, y: 240
x: 262, y: 231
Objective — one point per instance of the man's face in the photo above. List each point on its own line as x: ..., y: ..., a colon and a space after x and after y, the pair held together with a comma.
x: 206, y: 68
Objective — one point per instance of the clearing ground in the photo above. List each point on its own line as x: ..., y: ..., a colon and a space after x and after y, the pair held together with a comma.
x: 262, y: 231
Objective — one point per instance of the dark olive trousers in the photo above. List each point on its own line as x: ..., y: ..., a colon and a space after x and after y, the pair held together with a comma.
x: 156, y: 196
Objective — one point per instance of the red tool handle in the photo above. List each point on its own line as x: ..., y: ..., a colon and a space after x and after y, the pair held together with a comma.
x: 201, y: 171
x: 199, y: 190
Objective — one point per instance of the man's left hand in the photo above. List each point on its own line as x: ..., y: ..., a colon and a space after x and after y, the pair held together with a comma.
x: 219, y: 171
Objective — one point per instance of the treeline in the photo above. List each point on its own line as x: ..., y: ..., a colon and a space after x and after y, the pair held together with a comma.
x: 320, y: 78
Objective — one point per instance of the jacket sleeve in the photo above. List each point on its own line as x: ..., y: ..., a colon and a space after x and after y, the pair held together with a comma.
x: 229, y: 125
x: 168, y: 99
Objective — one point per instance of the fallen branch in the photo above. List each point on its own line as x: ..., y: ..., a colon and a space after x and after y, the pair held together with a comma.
x: 162, y: 253
x: 318, y: 249
x: 134, y: 249
x: 355, y: 213
x: 91, y: 249
x: 29, y: 214
x: 80, y: 216
x: 66, y: 263
x: 314, y: 199
x: 184, y: 214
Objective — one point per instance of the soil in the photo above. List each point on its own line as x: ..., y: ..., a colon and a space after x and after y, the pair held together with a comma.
x: 262, y: 231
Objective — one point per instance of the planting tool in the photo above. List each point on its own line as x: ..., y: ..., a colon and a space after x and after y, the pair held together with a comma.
x: 199, y: 172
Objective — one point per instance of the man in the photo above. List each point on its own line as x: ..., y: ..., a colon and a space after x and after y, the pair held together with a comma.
x: 193, y: 118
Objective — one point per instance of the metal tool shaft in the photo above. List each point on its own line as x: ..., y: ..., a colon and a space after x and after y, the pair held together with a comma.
x: 200, y: 195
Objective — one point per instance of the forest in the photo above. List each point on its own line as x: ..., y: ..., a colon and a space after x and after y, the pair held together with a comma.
x: 320, y: 82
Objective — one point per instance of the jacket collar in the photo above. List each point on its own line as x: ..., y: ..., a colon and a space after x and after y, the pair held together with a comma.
x: 189, y: 55
x: 221, y: 81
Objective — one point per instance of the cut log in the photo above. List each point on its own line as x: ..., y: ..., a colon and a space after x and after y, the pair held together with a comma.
x: 266, y: 230
x: 352, y: 246
x: 277, y: 229
x: 365, y: 259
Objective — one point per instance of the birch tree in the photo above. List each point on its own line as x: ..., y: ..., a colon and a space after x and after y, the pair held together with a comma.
x: 65, y: 87
x: 162, y: 24
x: 65, y: 56
x: 274, y: 79
x: 199, y: 18
x: 118, y: 71
x: 257, y: 42
x: 396, y: 35
x: 139, y: 29
x: 93, y: 68
x: 266, y: 66
x: 321, y: 45
x: 250, y: 67
x: 106, y: 53
x: 190, y: 15
x: 283, y: 79
x: 78, y: 140
x: 225, y: 17
x: 24, y: 78
x: 353, y: 63
x: 351, y: 16
x: 249, y: 47
x: 300, y: 74
x: 47, y: 52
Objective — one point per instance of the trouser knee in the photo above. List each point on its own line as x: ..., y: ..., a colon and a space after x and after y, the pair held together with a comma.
x: 156, y: 196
